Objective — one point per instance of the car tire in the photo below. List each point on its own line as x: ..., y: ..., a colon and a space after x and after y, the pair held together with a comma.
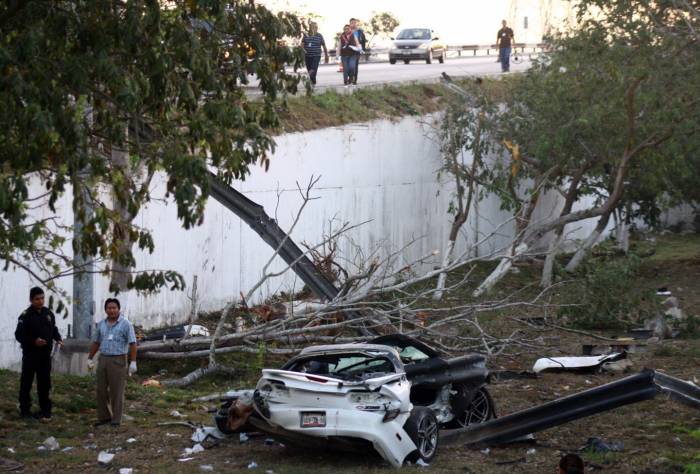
x: 392, y: 61
x: 424, y: 430
x: 479, y: 410
x: 429, y: 57
x: 407, y: 61
x: 442, y: 56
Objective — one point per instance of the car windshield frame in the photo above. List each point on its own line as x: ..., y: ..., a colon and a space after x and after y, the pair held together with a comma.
x: 404, y: 34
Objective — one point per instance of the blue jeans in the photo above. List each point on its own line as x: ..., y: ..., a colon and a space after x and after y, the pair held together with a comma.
x: 349, y: 68
x: 504, y: 57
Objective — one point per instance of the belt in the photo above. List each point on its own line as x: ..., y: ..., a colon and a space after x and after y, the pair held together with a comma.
x: 113, y: 355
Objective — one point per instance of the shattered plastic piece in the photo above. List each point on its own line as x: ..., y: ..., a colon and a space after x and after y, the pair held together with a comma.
x: 196, y: 330
x: 90, y: 446
x: 619, y: 366
x: 530, y: 451
x: 206, y: 467
x: 172, y: 435
x: 422, y: 463
x: 67, y: 449
x: 104, y: 457
x: 131, y: 440
x: 41, y: 448
x: 51, y: 444
x: 252, y: 465
x: 201, y: 434
x: 485, y: 451
x: 596, y: 445
x: 663, y: 291
x: 185, y: 459
x: 242, y: 438
x: 126, y: 470
x: 574, y: 363
x: 176, y: 414
x: 11, y: 450
x: 197, y: 448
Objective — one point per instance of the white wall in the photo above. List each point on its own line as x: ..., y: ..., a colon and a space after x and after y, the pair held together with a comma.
x: 383, y: 172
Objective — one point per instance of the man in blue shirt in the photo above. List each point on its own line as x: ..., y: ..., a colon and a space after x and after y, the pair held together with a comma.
x: 113, y: 337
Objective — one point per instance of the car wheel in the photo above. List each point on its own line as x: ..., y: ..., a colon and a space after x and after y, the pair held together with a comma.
x: 442, y: 56
x: 429, y: 57
x: 407, y: 61
x: 423, y: 429
x: 392, y: 61
x: 480, y: 409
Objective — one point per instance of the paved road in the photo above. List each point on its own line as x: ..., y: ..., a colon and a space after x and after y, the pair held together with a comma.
x: 372, y: 74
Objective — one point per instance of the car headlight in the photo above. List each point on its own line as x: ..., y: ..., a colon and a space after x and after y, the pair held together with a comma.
x: 424, y: 46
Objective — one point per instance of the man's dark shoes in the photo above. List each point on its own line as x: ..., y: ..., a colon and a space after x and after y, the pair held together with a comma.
x: 102, y: 422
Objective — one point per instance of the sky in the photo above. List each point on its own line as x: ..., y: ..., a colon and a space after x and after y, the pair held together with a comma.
x: 455, y: 21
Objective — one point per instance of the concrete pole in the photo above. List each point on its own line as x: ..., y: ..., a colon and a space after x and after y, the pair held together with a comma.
x: 83, y: 279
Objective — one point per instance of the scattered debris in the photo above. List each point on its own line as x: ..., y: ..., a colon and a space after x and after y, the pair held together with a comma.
x: 269, y: 441
x: 575, y: 363
x: 177, y: 414
x: 485, y: 451
x: 67, y: 449
x: 252, y: 465
x: 197, y: 448
x: 90, y: 446
x: 51, y: 444
x: 105, y: 457
x: 630, y: 346
x: 206, y: 467
x: 126, y: 470
x: 658, y: 327
x: 596, y: 445
x: 530, y: 451
x: 663, y: 291
x: 243, y: 438
x: 618, y: 367
x: 10, y: 465
x: 185, y: 459
x: 126, y: 417
x: 11, y: 450
x: 672, y: 309
x: 151, y: 383
x: 131, y: 440
x: 421, y: 463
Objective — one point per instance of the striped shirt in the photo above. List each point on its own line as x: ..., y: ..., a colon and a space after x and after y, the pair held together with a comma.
x: 114, y: 339
x: 312, y: 44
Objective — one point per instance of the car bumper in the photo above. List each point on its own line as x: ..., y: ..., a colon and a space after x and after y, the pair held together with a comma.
x: 399, y: 54
x: 388, y: 438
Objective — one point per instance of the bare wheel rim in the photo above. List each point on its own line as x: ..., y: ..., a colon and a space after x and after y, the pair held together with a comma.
x: 478, y: 411
x: 427, y: 436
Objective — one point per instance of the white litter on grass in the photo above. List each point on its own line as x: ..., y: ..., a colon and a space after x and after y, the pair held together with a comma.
x: 185, y: 459
x: 531, y: 451
x: 172, y: 435
x: 485, y: 451
x: 422, y: 463
x: 196, y: 330
x: 104, y: 457
x: 206, y: 431
x: 242, y: 438
x: 11, y: 450
x: 561, y: 363
x: 126, y: 470
x: 131, y: 440
x: 41, y: 448
x: 197, y: 448
x: 206, y: 467
x: 51, y: 444
x: 67, y: 449
x: 177, y: 414
x: 252, y: 465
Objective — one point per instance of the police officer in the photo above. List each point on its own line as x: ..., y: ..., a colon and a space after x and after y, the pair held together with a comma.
x: 36, y: 332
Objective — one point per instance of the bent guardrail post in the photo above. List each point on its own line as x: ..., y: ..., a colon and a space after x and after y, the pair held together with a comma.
x: 636, y: 388
x: 255, y: 216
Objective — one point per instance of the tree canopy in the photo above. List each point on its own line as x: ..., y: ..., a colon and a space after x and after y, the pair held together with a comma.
x: 98, y: 96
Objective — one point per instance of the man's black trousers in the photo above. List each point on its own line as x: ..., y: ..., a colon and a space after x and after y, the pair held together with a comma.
x: 39, y: 365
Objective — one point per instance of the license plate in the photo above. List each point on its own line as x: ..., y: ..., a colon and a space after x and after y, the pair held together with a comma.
x: 313, y: 419
x: 406, y: 53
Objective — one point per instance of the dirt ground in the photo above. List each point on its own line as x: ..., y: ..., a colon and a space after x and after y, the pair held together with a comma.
x: 658, y: 436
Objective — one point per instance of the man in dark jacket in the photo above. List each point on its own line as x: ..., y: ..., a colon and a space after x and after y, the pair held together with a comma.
x: 36, y: 332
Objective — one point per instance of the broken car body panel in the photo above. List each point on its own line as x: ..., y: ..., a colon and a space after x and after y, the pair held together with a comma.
x: 356, y: 391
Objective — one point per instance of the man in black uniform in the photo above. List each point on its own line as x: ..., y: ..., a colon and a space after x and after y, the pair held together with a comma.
x: 36, y: 331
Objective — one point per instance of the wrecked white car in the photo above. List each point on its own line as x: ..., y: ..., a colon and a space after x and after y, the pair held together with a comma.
x: 393, y: 394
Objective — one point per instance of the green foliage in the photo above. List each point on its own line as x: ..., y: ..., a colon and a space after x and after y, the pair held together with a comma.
x: 104, y: 95
x: 603, y: 296
x: 381, y: 23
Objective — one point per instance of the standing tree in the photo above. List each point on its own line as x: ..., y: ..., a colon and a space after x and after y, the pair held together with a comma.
x: 100, y: 96
x: 381, y: 24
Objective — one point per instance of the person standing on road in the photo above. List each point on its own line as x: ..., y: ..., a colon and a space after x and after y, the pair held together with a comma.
x: 36, y: 331
x: 313, y: 43
x: 362, y: 42
x: 113, y: 337
x: 504, y: 40
x: 348, y: 49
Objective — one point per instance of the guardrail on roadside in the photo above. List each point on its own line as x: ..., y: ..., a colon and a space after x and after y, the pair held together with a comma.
x: 460, y: 48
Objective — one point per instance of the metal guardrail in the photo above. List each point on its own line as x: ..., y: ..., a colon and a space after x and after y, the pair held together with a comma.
x: 465, y: 48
